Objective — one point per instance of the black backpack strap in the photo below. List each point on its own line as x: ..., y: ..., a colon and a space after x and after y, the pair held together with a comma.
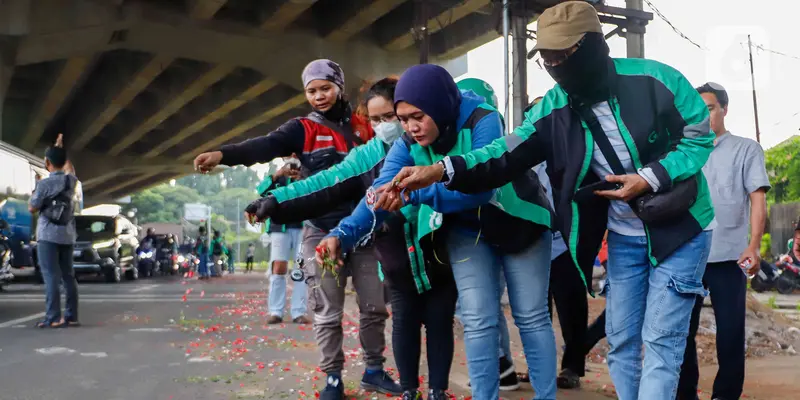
x: 601, y: 139
x: 345, y: 129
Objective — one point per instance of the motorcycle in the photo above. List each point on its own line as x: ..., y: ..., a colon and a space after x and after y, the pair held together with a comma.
x: 186, y: 263
x: 146, y: 260
x: 766, y: 279
x: 790, y: 277
x: 167, y: 261
x: 6, y: 256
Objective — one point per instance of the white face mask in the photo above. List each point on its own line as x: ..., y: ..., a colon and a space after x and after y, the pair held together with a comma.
x: 388, y: 132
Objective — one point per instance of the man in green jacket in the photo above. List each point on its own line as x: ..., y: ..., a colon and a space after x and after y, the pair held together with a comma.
x: 634, y: 127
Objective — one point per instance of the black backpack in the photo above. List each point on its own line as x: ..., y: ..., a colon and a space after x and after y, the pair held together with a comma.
x: 59, y: 209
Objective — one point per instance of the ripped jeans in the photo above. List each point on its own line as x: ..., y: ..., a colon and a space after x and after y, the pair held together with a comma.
x: 651, y: 307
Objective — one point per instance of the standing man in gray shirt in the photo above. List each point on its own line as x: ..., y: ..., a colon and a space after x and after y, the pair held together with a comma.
x: 55, y: 241
x: 738, y: 182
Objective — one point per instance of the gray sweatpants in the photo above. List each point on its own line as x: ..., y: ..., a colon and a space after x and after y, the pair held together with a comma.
x: 326, y: 300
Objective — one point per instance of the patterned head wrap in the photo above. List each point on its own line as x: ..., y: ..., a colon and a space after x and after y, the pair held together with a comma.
x: 325, y: 70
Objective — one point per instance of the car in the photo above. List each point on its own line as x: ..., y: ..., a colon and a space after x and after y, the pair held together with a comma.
x: 106, y: 247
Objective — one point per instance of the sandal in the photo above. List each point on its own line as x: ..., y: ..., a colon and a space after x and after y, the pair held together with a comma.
x: 45, y: 324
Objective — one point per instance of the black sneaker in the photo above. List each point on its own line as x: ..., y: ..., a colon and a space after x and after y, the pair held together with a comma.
x: 334, y: 390
x: 509, y: 382
x: 506, y: 367
x: 411, y: 395
x: 380, y: 381
x: 568, y: 379
x: 508, y: 376
x: 434, y: 394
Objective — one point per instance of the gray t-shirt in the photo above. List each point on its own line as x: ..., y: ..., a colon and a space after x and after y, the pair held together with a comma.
x: 734, y: 170
x: 46, y: 189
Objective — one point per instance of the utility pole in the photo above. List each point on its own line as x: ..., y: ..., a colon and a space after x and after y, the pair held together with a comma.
x: 753, y: 83
x: 238, y: 239
x: 506, y: 77
x: 421, y: 24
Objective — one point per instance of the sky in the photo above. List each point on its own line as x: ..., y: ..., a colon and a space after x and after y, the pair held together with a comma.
x: 720, y: 27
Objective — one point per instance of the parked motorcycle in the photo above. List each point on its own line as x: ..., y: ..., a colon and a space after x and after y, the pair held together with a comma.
x: 790, y: 277
x: 6, y: 256
x: 766, y: 278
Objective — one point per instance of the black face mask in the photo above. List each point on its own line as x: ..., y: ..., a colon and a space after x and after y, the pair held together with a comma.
x: 584, y: 74
x: 338, y: 112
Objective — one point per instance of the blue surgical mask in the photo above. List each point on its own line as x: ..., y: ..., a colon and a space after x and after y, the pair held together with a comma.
x: 388, y: 132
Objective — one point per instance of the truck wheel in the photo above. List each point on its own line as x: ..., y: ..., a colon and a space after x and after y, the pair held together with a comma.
x: 132, y: 274
x: 115, y: 275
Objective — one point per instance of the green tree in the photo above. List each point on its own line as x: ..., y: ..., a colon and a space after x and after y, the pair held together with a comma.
x: 240, y: 177
x: 149, y: 205
x: 205, y: 185
x: 783, y: 168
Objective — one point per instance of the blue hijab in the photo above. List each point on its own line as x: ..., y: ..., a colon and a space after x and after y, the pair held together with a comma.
x: 431, y: 89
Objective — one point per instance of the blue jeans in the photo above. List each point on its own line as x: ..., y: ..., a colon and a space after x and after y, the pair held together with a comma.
x: 505, y: 339
x: 202, y: 267
x: 527, y: 276
x: 650, y: 306
x: 285, y: 245
x: 55, y: 263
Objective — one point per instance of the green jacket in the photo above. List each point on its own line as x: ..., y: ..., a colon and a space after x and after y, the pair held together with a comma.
x: 346, y: 182
x: 641, y: 91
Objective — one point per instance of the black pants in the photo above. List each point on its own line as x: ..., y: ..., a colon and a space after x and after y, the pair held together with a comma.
x: 569, y: 293
x: 434, y: 309
x: 249, y: 265
x: 596, y: 332
x: 728, y: 287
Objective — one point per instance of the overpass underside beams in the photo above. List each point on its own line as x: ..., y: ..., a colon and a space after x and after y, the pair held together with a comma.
x: 154, y: 80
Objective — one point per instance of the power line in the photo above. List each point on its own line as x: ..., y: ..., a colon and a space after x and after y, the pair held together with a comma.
x: 671, y: 25
x: 762, y: 48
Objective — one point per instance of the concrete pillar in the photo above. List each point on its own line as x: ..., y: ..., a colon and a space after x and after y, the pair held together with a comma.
x: 634, y: 36
x: 6, y: 70
x: 519, y: 60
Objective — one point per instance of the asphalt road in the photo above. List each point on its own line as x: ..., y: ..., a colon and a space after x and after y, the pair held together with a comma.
x: 168, y: 339
x: 152, y: 339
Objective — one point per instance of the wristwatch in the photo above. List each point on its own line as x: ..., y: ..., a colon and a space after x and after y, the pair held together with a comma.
x: 445, y: 177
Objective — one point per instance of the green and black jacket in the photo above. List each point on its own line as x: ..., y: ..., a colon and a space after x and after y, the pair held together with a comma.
x: 271, y: 184
x: 641, y: 91
x: 347, y: 182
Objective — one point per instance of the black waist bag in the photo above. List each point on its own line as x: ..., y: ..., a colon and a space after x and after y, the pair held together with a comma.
x: 59, y: 209
x: 651, y: 208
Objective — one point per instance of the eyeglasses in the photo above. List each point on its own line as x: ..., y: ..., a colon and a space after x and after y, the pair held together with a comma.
x: 388, y: 117
x: 552, y: 58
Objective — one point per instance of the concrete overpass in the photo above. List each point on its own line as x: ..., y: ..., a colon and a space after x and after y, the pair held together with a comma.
x: 139, y: 87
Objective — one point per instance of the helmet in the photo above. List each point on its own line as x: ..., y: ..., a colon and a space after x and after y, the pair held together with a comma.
x: 151, y: 231
x: 481, y: 88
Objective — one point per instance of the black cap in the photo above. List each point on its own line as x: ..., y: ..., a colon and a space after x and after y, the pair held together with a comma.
x: 717, y: 90
x: 56, y: 155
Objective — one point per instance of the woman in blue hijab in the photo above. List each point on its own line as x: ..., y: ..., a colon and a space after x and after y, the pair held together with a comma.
x: 479, y: 236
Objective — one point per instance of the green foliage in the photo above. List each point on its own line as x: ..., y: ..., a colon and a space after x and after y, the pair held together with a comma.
x: 766, y: 245
x: 772, y: 302
x: 783, y: 168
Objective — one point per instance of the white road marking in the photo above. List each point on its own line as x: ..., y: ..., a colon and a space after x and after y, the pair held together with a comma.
x: 128, y: 300
x: 21, y: 320
x: 150, y: 330
x: 101, y: 354
x: 200, y: 359
x: 143, y: 288
x: 49, y: 351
